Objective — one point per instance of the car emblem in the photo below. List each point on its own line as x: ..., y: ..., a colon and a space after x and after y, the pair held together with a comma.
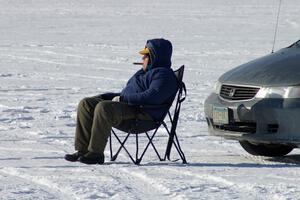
x: 231, y: 92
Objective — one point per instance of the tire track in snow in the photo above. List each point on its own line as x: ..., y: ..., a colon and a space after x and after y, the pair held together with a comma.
x: 13, y: 187
x: 129, y: 189
x: 116, y: 60
x: 96, y: 77
x: 24, y: 149
x: 39, y: 60
x: 42, y: 182
x: 274, y: 190
x: 139, y: 185
x: 221, y: 183
x: 267, y: 192
x: 260, y: 160
x: 163, y: 191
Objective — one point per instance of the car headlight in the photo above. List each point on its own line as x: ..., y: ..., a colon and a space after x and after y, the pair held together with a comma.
x: 217, y: 87
x: 279, y: 92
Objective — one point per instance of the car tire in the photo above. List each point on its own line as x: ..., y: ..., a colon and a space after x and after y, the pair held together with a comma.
x: 270, y: 150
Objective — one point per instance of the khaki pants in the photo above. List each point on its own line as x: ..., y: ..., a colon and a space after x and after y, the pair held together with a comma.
x: 96, y: 117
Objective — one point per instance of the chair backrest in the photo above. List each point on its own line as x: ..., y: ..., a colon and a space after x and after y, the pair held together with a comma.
x: 182, y: 89
x: 179, y: 73
x: 181, y: 92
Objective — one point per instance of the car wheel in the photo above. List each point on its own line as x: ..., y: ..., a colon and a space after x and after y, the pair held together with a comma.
x: 270, y: 150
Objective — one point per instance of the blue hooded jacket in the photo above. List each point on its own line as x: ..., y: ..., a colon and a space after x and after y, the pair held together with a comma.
x: 156, y: 86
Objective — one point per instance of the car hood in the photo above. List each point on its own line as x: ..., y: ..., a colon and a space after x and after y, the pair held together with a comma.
x: 281, y: 68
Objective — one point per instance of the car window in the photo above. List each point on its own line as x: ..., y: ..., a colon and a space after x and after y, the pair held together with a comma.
x: 296, y: 44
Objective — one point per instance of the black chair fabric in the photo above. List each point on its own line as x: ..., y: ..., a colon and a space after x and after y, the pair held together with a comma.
x: 137, y: 126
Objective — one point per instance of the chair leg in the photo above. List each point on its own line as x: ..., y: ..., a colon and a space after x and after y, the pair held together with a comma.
x: 137, y: 148
x: 150, y: 140
x: 138, y: 158
x: 167, y: 156
x: 110, y: 146
x: 177, y: 146
x: 179, y: 150
x: 114, y: 157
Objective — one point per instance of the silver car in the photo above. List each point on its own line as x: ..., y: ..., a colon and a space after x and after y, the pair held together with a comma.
x: 258, y: 104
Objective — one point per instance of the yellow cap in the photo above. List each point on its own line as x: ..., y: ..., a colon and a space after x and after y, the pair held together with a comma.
x: 144, y: 51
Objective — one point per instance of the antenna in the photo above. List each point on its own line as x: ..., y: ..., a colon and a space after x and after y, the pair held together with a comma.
x: 276, y: 27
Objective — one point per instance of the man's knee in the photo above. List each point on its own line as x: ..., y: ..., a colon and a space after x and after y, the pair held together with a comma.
x: 108, y: 111
x: 103, y: 108
x: 82, y: 103
x: 86, y: 104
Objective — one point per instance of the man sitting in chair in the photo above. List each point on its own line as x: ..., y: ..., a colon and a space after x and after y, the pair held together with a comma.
x: 154, y: 84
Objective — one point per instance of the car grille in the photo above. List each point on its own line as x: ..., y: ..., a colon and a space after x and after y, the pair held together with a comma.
x: 233, y: 92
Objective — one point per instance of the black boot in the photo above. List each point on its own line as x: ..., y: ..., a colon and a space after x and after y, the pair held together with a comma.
x: 92, y: 158
x: 74, y: 157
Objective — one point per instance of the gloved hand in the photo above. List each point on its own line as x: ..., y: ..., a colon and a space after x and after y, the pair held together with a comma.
x: 116, y: 98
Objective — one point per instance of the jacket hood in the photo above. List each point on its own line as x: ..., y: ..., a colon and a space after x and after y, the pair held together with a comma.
x: 277, y: 69
x: 160, y: 53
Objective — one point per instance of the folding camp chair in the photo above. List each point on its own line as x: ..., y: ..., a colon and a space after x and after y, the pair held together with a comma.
x: 136, y: 127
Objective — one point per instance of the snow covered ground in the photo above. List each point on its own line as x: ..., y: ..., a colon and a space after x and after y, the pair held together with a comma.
x: 54, y: 53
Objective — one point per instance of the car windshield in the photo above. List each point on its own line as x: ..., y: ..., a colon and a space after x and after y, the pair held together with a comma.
x: 296, y: 44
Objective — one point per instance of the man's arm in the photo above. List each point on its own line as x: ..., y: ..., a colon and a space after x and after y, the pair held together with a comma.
x: 163, y: 86
x: 109, y: 95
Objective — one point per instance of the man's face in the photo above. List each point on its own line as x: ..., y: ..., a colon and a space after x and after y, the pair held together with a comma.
x: 145, y: 61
